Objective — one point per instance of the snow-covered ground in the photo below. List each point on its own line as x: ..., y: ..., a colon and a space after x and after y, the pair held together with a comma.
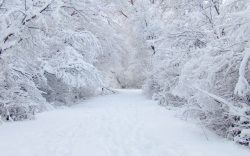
x: 124, y: 124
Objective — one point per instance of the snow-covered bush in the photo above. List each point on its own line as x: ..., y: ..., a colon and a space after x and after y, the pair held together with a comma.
x: 48, y: 55
x: 201, y: 63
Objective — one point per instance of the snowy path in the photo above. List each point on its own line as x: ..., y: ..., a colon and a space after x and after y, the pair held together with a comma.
x: 125, y: 124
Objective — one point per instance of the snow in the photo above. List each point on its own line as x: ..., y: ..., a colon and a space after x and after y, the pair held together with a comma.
x: 242, y: 86
x: 123, y: 124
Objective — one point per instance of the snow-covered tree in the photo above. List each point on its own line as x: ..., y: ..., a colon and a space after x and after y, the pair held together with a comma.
x: 201, y: 63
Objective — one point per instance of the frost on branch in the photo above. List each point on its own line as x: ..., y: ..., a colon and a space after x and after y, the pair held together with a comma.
x: 242, y: 86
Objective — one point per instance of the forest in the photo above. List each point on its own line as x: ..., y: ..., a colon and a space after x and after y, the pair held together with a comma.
x: 188, y: 55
